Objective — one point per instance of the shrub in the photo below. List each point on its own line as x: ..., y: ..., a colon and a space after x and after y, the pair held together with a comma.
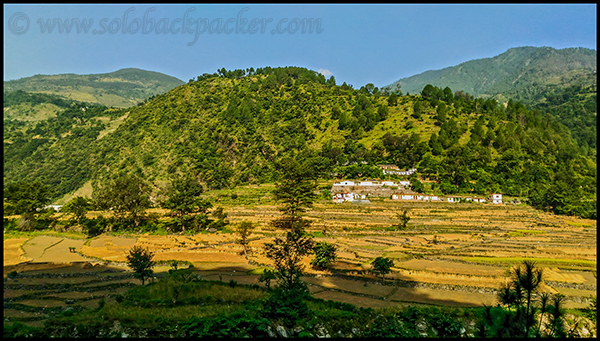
x: 287, y: 305
x: 324, y: 255
x: 236, y: 325
x: 94, y: 227
x: 18, y: 329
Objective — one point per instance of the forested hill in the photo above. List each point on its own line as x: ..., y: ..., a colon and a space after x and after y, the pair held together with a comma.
x: 515, y: 74
x: 562, y: 82
x: 233, y: 127
x: 122, y: 88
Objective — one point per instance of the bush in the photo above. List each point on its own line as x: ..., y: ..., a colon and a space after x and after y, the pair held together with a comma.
x: 236, y: 325
x: 18, y: 329
x: 10, y: 224
x: 94, y: 227
x: 445, y: 325
x: 287, y: 305
x: 386, y: 326
x: 324, y: 255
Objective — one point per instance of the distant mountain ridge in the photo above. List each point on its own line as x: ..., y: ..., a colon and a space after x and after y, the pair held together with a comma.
x: 508, y: 74
x: 121, y: 88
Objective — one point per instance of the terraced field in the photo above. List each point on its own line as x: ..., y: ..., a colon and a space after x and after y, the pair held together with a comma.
x: 452, y: 254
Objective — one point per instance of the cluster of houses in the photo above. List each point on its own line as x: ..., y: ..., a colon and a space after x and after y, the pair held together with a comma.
x: 346, y: 195
x: 495, y: 198
x: 373, y: 183
x: 393, y: 169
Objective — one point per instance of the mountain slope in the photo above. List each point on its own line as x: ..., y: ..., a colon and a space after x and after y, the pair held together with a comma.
x: 508, y: 74
x: 235, y: 128
x: 122, y: 88
x: 562, y: 82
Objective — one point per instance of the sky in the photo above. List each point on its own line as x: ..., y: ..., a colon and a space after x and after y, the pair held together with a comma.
x: 357, y: 44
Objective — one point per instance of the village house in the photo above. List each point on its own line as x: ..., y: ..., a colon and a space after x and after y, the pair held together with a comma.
x: 344, y: 183
x: 345, y: 196
x: 453, y: 198
x: 496, y: 198
x: 393, y: 169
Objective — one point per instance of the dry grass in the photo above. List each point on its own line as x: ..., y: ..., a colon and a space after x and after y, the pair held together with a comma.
x: 491, y: 235
x: 13, y: 254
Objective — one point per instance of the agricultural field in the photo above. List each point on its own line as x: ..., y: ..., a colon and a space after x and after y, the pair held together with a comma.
x: 451, y: 254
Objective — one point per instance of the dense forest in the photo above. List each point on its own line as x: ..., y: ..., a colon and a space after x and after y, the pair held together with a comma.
x: 234, y: 127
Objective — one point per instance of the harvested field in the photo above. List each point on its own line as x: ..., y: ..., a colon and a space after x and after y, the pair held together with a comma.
x: 452, y: 254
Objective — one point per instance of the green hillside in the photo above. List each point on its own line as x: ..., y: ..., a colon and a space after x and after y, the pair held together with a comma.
x: 122, y: 88
x: 561, y: 82
x: 234, y: 127
x: 510, y: 73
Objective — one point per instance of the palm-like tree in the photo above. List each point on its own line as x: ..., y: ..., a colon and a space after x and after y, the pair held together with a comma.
x: 527, y: 280
x: 507, y: 296
x: 544, y: 298
x: 556, y: 316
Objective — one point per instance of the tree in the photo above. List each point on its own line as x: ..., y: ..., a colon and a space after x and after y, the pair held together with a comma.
x: 417, y: 185
x: 324, y: 255
x: 126, y: 196
x: 287, y: 254
x: 140, y: 260
x: 267, y: 276
x: 25, y: 198
x: 184, y: 199
x: 77, y: 206
x: 382, y: 266
x: 392, y: 99
x: 244, y: 229
x: 519, y: 293
x: 296, y: 192
x: 404, y: 218
x: 418, y: 109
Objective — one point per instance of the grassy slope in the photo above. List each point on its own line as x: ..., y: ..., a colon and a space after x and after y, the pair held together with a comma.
x: 122, y: 88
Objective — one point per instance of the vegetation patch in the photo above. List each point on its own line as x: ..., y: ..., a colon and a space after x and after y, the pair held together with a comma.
x: 516, y: 260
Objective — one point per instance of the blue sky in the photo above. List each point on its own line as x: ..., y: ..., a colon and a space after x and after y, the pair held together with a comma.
x: 357, y: 44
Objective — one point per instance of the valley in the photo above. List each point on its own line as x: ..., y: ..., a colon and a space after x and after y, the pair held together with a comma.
x: 452, y: 254
x: 135, y: 158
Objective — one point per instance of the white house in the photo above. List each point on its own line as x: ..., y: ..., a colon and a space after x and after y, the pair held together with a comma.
x: 408, y: 197
x: 395, y: 196
x: 346, y: 183
x: 405, y: 183
x: 453, y: 199
x: 388, y: 183
x: 480, y: 200
x: 366, y: 183
x: 434, y: 198
x: 496, y: 198
x: 341, y: 197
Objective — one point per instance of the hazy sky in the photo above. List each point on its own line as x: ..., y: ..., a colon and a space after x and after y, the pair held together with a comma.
x: 358, y: 44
